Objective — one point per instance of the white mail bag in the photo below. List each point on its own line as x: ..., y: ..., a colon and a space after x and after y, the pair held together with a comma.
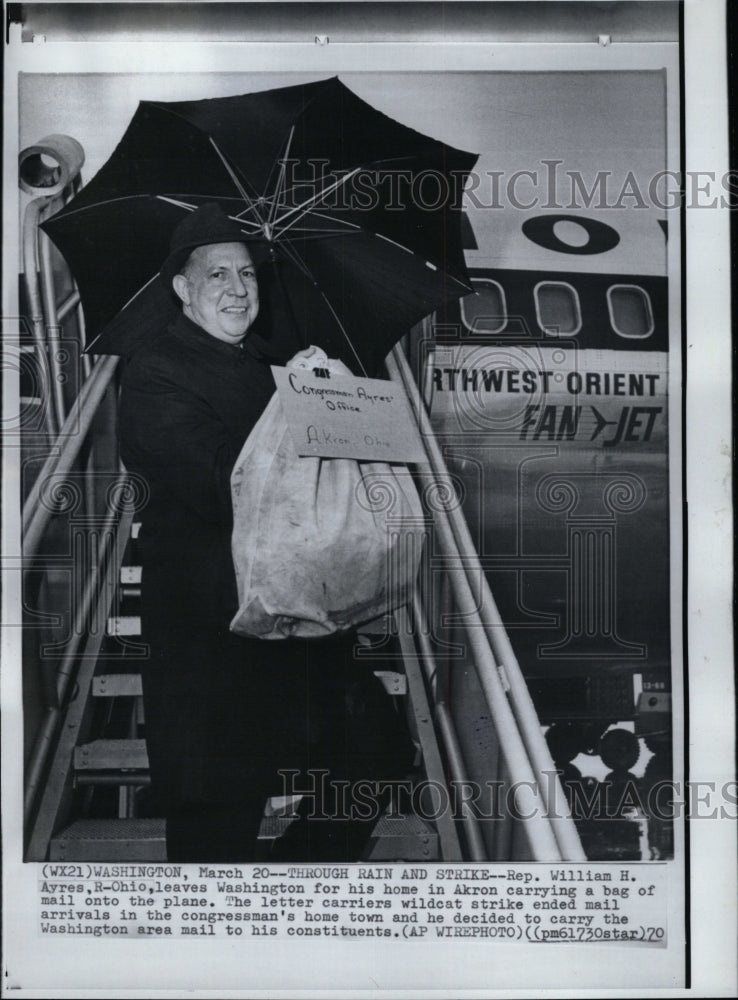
x: 319, y: 544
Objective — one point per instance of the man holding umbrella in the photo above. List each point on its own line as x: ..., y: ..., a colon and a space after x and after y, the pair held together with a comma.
x: 347, y: 272
x: 225, y: 713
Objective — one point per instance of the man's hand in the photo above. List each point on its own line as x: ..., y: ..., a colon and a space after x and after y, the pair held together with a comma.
x: 314, y: 357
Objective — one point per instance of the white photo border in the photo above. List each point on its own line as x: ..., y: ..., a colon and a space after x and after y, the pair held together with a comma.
x: 175, y: 969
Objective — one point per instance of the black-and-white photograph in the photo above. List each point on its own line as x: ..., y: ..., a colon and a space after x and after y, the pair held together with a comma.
x: 514, y: 253
x: 344, y: 411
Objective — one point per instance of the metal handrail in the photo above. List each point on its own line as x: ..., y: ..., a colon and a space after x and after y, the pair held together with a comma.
x: 71, y: 302
x: 425, y: 731
x: 455, y: 757
x: 474, y: 842
x: 52, y: 327
x: 91, y: 594
x: 36, y: 514
x: 542, y: 841
x: 524, y: 747
x: 53, y: 186
x: 35, y: 211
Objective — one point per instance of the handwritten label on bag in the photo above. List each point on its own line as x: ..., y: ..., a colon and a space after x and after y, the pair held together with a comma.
x: 348, y: 417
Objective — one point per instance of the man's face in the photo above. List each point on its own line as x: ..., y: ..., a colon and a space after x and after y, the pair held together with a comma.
x: 218, y: 290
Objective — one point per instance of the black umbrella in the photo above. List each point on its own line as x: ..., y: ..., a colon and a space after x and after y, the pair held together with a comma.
x: 355, y: 217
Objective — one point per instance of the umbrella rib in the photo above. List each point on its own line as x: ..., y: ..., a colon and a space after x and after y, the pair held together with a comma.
x: 239, y: 186
x: 297, y: 187
x: 322, y: 232
x: 349, y: 227
x: 245, y: 222
x: 159, y: 197
x: 140, y: 290
x: 343, y: 331
x: 281, y: 162
x: 281, y: 178
x: 295, y: 256
x: 296, y: 259
x: 99, y: 204
x: 396, y: 244
x: 176, y: 202
x: 335, y: 220
x: 191, y: 208
x: 332, y: 218
x: 242, y: 217
x: 315, y: 199
x: 379, y: 162
x: 414, y: 253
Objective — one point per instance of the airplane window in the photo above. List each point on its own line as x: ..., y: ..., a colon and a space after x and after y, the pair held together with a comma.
x: 486, y: 310
x: 557, y: 308
x: 631, y: 314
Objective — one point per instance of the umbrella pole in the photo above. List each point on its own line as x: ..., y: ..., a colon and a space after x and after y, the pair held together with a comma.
x: 299, y: 336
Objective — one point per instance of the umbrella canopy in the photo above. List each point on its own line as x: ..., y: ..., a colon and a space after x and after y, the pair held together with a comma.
x: 354, y: 218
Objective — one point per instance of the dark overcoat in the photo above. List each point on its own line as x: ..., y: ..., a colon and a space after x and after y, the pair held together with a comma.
x: 223, y: 711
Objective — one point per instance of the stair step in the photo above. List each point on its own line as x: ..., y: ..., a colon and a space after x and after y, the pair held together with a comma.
x: 117, y: 686
x: 403, y: 838
x: 111, y: 755
x: 130, y: 575
x: 406, y: 838
x: 274, y: 826
x: 124, y: 625
x: 394, y: 683
x: 111, y: 840
x: 129, y: 685
x: 377, y: 626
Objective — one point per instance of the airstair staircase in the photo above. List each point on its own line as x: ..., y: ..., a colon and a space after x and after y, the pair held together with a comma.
x: 87, y: 783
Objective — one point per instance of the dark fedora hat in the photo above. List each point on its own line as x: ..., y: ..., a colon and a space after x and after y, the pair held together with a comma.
x: 206, y: 225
